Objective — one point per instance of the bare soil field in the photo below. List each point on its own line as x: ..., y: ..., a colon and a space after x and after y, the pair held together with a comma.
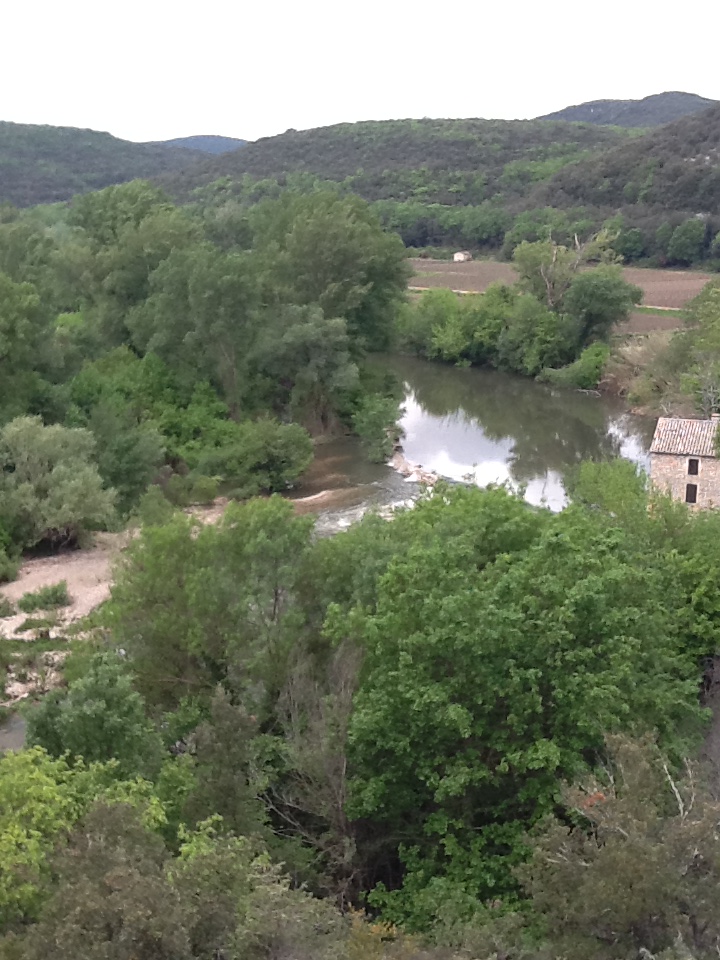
x: 650, y: 323
x: 665, y: 289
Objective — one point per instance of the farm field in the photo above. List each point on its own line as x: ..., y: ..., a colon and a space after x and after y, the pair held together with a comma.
x: 663, y: 289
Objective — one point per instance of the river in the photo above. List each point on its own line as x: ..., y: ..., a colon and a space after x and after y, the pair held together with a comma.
x: 478, y: 426
x: 462, y: 423
x: 498, y: 428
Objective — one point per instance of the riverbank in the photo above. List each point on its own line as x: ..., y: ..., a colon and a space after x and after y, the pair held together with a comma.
x: 338, y: 489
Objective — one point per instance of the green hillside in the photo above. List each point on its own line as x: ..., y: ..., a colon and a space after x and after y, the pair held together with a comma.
x: 649, y: 112
x: 676, y: 167
x: 43, y: 164
x: 210, y: 143
x: 434, y: 161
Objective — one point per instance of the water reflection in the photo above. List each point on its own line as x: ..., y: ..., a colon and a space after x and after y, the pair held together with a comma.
x: 503, y: 428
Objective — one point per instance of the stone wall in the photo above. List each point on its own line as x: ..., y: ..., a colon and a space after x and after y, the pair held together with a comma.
x: 670, y: 473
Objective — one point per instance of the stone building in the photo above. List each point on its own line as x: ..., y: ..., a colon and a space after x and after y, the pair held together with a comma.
x: 684, y: 461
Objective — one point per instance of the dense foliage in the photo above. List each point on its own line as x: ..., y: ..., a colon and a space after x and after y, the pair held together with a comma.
x: 43, y: 164
x: 555, y: 322
x: 143, y: 344
x: 483, y: 184
x: 439, y: 160
x: 489, y: 185
x: 390, y: 713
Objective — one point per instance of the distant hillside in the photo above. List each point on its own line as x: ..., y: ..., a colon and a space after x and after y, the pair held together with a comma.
x: 43, y: 164
x: 676, y: 167
x: 205, y: 144
x: 649, y: 112
x: 433, y: 161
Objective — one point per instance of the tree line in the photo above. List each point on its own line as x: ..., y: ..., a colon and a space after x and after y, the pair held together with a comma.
x: 554, y: 323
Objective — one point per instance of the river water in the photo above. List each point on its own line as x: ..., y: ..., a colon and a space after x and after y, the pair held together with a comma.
x: 478, y: 426
x: 497, y: 428
x: 463, y: 424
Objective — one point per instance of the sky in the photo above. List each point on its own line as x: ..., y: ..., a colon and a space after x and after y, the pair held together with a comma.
x: 158, y: 69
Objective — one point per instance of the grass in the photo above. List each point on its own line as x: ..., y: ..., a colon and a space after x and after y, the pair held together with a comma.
x: 37, y: 623
x: 6, y: 608
x: 55, y: 595
x: 664, y: 311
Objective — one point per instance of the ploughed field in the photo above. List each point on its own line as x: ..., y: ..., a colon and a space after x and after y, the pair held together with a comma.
x: 664, y: 289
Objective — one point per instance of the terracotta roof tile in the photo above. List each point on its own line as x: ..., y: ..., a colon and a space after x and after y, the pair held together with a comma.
x: 689, y: 438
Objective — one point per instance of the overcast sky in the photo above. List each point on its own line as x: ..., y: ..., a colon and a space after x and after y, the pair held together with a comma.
x: 155, y: 69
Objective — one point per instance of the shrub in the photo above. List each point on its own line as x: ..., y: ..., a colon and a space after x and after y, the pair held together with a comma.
x: 154, y: 509
x: 6, y: 608
x: 266, y: 456
x: 204, y: 490
x: 177, y: 490
x: 54, y: 595
x: 375, y: 422
x: 8, y: 567
x: 584, y: 373
x: 50, y: 488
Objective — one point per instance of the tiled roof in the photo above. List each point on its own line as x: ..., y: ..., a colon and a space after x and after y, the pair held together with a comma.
x: 689, y: 438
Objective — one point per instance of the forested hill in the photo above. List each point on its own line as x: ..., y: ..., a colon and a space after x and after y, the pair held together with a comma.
x: 676, y: 167
x: 649, y: 112
x: 210, y: 143
x: 442, y: 161
x: 44, y: 164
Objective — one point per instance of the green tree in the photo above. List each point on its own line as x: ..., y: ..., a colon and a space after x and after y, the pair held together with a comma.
x: 231, y: 770
x: 687, y: 243
x: 112, y: 897
x: 38, y: 803
x: 24, y: 343
x: 263, y: 456
x: 104, y: 214
x: 100, y: 717
x: 546, y: 270
x: 597, y: 300
x: 306, y: 358
x: 487, y: 677
x: 197, y: 607
x: 630, y: 244
x: 51, y: 489
x: 202, y: 319
x: 329, y: 250
x: 636, y: 869
x: 128, y: 453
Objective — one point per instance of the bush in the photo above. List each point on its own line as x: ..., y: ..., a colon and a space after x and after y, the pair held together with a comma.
x: 55, y: 595
x: 154, y: 509
x: 375, y: 422
x: 177, y: 490
x: 8, y: 567
x: 6, y: 608
x: 204, y: 490
x: 50, y: 487
x: 265, y: 457
x: 584, y: 373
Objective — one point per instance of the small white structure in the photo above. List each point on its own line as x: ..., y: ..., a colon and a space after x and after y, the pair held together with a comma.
x: 462, y: 256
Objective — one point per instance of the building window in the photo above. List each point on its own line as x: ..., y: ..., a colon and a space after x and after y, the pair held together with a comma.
x: 691, y: 493
x: 693, y: 467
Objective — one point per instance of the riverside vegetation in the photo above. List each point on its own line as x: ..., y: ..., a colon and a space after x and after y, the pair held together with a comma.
x: 140, y: 342
x: 466, y: 733
x: 432, y: 738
